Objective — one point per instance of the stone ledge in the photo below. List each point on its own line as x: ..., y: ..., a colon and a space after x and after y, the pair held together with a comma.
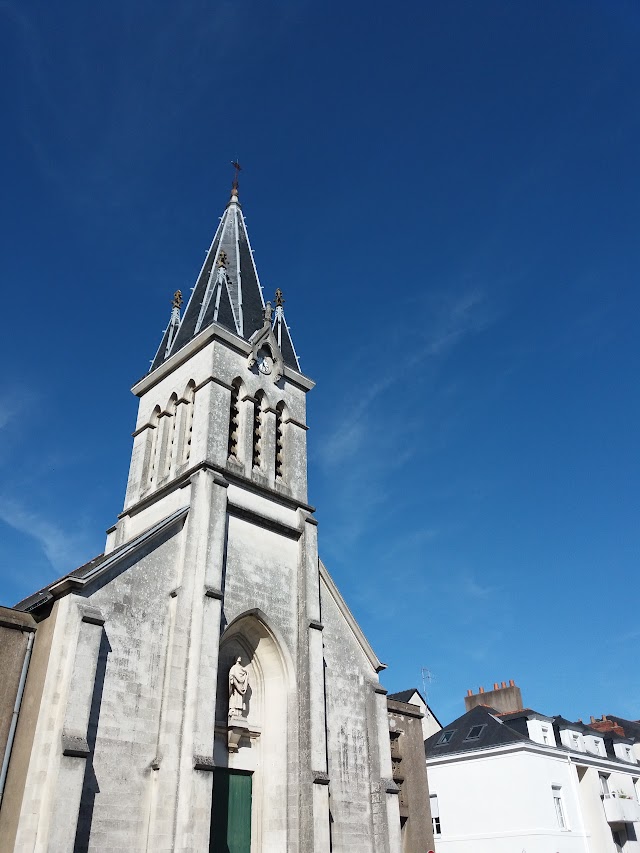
x: 259, y: 520
x: 75, y: 746
x: 92, y: 615
x: 389, y: 786
x: 203, y: 762
x: 212, y: 592
x: 296, y: 423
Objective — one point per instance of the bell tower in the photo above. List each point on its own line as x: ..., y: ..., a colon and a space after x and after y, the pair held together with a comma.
x: 224, y: 393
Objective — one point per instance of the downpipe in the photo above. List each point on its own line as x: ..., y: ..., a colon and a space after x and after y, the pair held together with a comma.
x: 14, y: 716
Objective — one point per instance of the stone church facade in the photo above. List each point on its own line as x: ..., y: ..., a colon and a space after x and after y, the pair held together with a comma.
x: 202, y: 685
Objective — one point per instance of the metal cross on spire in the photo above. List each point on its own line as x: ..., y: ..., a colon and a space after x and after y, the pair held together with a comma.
x: 236, y: 165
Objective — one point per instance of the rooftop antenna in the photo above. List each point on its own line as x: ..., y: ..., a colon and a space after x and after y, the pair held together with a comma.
x: 427, y: 678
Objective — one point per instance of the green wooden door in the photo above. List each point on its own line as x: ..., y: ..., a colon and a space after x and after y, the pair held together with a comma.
x: 231, y: 812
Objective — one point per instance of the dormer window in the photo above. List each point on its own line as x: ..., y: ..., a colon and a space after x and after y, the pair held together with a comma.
x: 445, y: 737
x: 475, y: 732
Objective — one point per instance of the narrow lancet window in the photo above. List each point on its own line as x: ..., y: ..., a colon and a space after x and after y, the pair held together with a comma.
x: 151, y: 461
x: 170, y: 440
x: 279, y: 457
x: 234, y: 420
x: 188, y: 425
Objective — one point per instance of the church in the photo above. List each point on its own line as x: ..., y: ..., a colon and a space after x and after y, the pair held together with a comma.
x: 202, y: 685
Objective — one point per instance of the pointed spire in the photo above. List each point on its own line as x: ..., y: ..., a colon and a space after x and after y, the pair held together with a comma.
x: 281, y: 331
x: 170, y: 332
x: 227, y: 291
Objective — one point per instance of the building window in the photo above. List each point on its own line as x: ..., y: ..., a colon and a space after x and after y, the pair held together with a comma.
x: 475, y: 732
x: 435, y: 814
x: 545, y: 734
x: 604, y: 784
x: 445, y: 737
x: 559, y: 806
x: 574, y: 741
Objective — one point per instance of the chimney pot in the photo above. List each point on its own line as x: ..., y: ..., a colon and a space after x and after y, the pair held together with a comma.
x: 469, y: 692
x: 604, y: 716
x: 512, y: 683
x: 481, y: 690
x: 504, y: 684
x: 496, y: 686
x: 593, y: 719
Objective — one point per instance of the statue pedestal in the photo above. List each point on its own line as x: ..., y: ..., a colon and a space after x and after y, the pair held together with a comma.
x: 238, y: 728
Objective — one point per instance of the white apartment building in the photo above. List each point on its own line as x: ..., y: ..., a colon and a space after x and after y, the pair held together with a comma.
x: 523, y: 782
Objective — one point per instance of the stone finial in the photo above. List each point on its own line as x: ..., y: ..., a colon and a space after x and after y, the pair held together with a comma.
x: 222, y: 259
x: 279, y: 299
x: 177, y: 300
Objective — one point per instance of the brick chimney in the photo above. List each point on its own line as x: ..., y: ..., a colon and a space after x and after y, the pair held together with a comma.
x: 503, y: 697
x: 605, y: 725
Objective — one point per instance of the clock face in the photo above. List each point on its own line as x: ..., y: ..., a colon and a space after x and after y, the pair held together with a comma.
x: 265, y: 362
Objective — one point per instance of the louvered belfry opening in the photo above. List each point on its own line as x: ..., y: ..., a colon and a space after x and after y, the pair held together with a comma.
x: 257, y: 430
x: 279, y: 457
x: 234, y: 419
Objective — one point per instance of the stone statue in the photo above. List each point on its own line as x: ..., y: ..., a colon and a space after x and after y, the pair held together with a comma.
x: 238, y: 683
x: 267, y: 313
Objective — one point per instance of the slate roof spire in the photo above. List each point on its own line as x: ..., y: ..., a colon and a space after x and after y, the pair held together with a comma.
x: 227, y: 291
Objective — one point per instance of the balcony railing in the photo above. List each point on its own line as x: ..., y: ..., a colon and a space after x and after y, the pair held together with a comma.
x: 620, y: 809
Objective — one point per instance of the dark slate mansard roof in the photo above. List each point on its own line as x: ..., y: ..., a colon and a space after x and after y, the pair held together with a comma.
x: 228, y: 292
x: 501, y: 728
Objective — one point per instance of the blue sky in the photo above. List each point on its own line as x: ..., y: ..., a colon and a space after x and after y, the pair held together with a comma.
x: 448, y: 195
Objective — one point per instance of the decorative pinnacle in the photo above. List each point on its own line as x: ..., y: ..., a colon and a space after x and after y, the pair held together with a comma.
x: 279, y: 299
x: 222, y: 259
x: 177, y: 299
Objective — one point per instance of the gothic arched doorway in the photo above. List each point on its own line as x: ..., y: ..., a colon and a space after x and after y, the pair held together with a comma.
x: 250, y: 786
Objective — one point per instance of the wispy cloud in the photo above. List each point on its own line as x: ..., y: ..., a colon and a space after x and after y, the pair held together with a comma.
x: 472, y: 588
x: 452, y: 321
x: 62, y: 548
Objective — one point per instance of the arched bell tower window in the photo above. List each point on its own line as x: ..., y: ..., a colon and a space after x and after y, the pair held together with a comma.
x: 169, y: 439
x: 279, y: 455
x: 152, y: 450
x: 188, y: 421
x: 258, y: 426
x: 234, y: 420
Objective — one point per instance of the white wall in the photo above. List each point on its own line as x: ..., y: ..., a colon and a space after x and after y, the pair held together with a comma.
x: 504, y: 803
